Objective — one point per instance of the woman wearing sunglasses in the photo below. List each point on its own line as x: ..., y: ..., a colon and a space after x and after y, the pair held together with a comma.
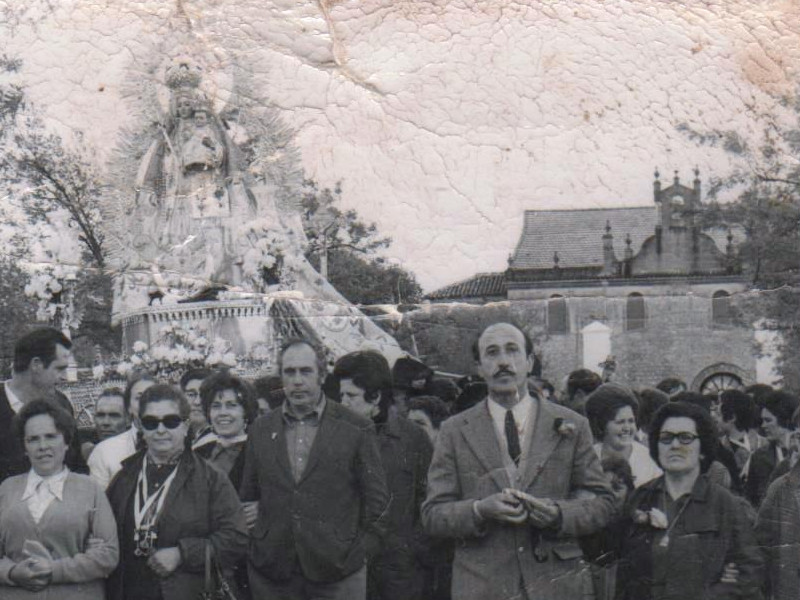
x: 169, y: 505
x: 686, y: 537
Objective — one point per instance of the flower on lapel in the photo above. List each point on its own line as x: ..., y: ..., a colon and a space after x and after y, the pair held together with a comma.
x: 653, y: 517
x: 563, y: 427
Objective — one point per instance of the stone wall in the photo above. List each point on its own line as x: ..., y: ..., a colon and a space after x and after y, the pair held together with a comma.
x: 679, y: 338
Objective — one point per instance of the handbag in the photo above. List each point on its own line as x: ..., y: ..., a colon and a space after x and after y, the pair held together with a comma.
x: 216, y: 586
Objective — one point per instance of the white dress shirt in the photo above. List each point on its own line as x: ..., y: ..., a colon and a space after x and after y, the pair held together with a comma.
x: 41, y: 492
x: 524, y: 413
x: 13, y: 400
x: 105, y: 461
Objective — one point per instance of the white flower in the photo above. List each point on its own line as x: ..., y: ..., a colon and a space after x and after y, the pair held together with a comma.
x: 139, y: 346
x: 98, y: 371
x: 658, y: 519
x: 229, y: 359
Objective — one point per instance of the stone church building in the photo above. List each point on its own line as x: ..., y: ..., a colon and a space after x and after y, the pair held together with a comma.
x: 645, y: 285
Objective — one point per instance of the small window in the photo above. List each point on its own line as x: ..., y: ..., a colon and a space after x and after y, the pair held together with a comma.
x: 721, y: 308
x: 557, y: 321
x: 634, y: 312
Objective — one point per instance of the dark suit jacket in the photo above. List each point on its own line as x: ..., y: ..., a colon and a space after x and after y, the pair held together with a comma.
x: 12, y: 453
x: 762, y: 463
x: 201, y: 506
x: 331, y: 517
x: 406, y: 454
x: 493, y: 561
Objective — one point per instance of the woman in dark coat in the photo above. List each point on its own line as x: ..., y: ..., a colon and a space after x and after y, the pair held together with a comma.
x: 229, y: 405
x: 685, y: 536
x: 169, y: 504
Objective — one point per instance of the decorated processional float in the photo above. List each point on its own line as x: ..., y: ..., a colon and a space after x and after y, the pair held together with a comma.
x: 208, y: 244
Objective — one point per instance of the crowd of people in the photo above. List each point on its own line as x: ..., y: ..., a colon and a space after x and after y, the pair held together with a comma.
x: 365, y: 480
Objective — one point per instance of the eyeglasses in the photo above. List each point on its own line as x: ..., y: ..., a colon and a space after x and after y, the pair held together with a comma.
x: 684, y: 437
x: 170, y: 422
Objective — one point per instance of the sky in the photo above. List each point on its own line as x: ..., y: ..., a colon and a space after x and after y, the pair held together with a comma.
x: 445, y: 119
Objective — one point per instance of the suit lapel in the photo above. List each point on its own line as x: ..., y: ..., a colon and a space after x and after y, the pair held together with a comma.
x: 544, y: 440
x: 480, y: 435
x: 325, y: 434
x: 275, y: 443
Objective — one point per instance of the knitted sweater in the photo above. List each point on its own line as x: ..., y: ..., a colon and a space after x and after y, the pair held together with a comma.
x: 65, y: 527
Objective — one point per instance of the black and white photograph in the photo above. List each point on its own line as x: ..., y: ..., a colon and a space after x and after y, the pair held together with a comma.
x: 399, y: 300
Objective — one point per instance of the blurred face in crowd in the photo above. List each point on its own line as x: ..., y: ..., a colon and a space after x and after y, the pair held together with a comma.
x: 44, y: 445
x: 302, y: 380
x: 423, y: 420
x: 192, y: 392
x: 353, y: 398
x: 109, y: 416
x: 163, y: 429
x: 503, y: 361
x: 226, y: 414
x: 46, y: 378
x: 136, y: 393
x: 772, y: 430
x: 676, y: 457
x: 619, y: 430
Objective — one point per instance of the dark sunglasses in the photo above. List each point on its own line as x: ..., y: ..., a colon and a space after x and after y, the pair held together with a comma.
x: 170, y: 422
x: 684, y: 437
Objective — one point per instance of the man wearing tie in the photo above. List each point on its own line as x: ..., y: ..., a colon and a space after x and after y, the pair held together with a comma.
x: 516, y: 480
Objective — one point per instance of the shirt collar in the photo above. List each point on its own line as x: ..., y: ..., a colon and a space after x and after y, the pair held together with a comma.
x: 13, y: 400
x: 315, y: 414
x: 54, y: 482
x: 521, y: 410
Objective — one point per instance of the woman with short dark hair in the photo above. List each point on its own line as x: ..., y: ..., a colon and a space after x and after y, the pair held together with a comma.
x: 170, y: 505
x: 686, y: 537
x: 58, y: 538
x: 612, y: 410
x: 229, y: 406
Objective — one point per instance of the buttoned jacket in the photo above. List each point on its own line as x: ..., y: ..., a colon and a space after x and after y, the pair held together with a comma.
x: 327, y: 521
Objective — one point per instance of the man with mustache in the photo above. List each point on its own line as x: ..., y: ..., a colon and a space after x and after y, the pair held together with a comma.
x: 515, y: 480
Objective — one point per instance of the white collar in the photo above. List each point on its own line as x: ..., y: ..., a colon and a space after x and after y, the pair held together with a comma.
x: 54, y: 482
x: 13, y: 400
x: 521, y: 410
x: 228, y: 442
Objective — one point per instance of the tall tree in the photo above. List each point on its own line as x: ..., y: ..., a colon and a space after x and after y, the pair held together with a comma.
x: 765, y: 184
x: 342, y: 244
x: 42, y: 174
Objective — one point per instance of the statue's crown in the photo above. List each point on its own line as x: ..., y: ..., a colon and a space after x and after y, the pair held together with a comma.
x: 183, y: 74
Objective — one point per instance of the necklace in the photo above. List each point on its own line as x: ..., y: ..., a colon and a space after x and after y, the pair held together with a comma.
x: 665, y: 540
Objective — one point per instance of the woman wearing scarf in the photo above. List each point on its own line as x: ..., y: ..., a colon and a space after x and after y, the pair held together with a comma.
x: 230, y: 407
x: 169, y: 505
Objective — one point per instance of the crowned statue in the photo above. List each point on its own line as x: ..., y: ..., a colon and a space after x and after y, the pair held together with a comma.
x: 189, y: 195
x: 203, y: 224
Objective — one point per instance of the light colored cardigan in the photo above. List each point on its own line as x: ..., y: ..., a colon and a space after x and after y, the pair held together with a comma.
x: 78, y: 573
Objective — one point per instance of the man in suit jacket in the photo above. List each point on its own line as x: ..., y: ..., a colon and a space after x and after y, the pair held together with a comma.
x: 41, y: 358
x: 314, y: 469
x: 515, y: 480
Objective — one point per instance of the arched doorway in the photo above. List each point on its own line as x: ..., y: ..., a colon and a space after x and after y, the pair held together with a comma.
x: 719, y: 382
